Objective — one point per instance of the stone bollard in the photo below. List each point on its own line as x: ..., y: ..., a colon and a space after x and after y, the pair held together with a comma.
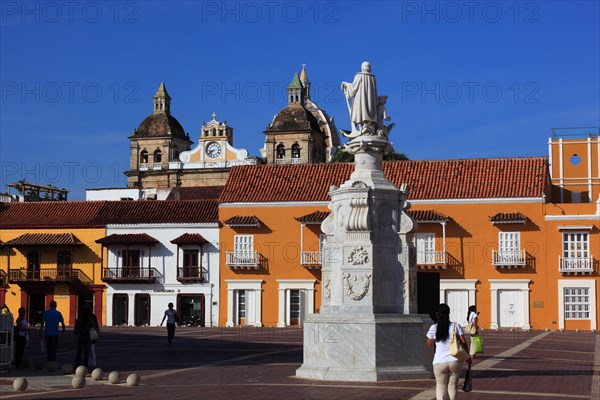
x: 98, y: 374
x: 134, y: 380
x: 114, y: 377
x: 81, y: 371
x: 78, y: 382
x: 20, y: 384
x: 52, y: 366
x: 67, y: 369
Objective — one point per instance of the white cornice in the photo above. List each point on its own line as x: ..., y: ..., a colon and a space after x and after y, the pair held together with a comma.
x: 590, y: 217
x: 169, y: 225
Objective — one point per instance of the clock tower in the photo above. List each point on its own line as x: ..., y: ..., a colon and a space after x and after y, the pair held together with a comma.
x: 214, y: 138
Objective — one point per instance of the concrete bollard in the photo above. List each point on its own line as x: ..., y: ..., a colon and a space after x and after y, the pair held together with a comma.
x: 20, y: 384
x: 78, y: 382
x: 52, y: 366
x: 98, y: 374
x: 134, y: 380
x: 67, y: 369
x: 114, y: 377
x: 81, y: 371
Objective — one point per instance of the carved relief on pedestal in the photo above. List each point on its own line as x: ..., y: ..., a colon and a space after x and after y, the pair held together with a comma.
x: 358, y: 256
x: 354, y: 290
x: 327, y: 290
x: 358, y: 219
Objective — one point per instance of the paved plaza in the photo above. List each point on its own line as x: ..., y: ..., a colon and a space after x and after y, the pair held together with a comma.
x: 260, y: 363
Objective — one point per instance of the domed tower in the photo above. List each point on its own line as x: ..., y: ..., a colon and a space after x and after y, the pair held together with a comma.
x: 158, y: 140
x: 301, y: 132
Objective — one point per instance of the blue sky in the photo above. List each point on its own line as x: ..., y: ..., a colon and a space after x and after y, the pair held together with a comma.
x: 464, y: 79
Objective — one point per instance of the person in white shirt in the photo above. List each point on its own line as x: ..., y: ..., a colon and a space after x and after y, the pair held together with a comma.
x: 473, y: 318
x: 446, y: 367
x: 171, y: 316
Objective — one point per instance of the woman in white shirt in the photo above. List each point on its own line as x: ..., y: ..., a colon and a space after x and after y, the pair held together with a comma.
x: 446, y: 367
x: 473, y: 318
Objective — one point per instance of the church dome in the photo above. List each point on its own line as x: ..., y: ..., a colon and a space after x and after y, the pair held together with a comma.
x: 159, y: 125
x: 294, y: 117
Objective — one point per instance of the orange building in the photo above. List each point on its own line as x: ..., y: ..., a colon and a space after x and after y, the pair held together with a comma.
x: 49, y: 253
x: 488, y: 234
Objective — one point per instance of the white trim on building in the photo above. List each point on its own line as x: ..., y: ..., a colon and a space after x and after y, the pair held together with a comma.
x: 589, y: 284
x: 520, y: 285
x: 307, y: 289
x: 253, y: 297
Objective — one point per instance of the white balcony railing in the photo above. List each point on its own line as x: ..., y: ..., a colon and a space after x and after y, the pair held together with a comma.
x: 576, y: 264
x: 295, y: 161
x: 432, y: 257
x: 143, y: 166
x: 243, y: 259
x: 509, y: 258
x: 280, y: 161
x: 311, y: 258
x: 157, y: 167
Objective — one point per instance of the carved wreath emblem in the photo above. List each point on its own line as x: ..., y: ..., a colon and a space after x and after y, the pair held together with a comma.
x: 326, y: 290
x: 354, y: 291
x: 358, y: 256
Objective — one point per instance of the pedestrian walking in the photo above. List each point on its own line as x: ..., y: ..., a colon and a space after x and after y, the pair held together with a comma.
x: 171, y: 317
x: 84, y: 324
x: 49, y: 329
x: 21, y: 336
x: 446, y: 367
x: 472, y: 327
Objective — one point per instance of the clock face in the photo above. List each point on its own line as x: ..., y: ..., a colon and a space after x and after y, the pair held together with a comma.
x: 213, y: 149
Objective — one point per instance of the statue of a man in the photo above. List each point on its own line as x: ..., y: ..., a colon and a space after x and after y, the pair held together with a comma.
x: 364, y: 106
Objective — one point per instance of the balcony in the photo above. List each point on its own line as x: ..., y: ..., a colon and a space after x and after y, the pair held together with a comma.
x: 311, y: 259
x: 575, y: 265
x: 433, y: 259
x: 296, y: 160
x: 192, y: 274
x: 129, y: 275
x: 245, y: 259
x: 143, y: 166
x: 280, y: 161
x: 50, y: 275
x: 509, y: 258
x: 157, y: 167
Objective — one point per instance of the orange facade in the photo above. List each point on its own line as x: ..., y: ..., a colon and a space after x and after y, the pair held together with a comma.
x: 489, y: 233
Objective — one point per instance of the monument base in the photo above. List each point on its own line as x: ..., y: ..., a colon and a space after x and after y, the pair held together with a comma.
x: 368, y: 348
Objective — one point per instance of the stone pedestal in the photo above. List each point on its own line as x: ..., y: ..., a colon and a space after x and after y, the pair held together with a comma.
x: 370, y: 348
x: 367, y: 329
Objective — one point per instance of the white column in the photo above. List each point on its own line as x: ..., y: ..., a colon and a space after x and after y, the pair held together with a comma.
x: 258, y: 307
x: 494, y: 310
x: 230, y: 308
x: 526, y: 322
x: 310, y: 301
x: 444, y: 239
x: 282, y: 308
x: 130, y: 309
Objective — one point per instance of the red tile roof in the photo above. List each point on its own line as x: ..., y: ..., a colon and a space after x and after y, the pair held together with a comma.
x: 313, y: 218
x: 195, y: 193
x: 189, y: 238
x: 428, y: 216
x: 508, y: 218
x: 427, y: 180
x: 78, y: 214
x: 128, y: 239
x: 51, y: 214
x: 44, y: 239
x: 243, y: 221
x: 159, y: 212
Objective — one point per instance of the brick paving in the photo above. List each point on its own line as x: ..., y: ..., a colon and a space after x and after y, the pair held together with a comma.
x: 260, y: 363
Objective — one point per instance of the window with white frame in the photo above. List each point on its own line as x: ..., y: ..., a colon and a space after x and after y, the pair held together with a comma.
x: 576, y: 245
x: 425, y: 248
x: 243, y: 247
x: 509, y: 242
x: 577, y: 303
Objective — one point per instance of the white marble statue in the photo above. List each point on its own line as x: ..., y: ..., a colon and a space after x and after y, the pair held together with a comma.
x: 363, y: 111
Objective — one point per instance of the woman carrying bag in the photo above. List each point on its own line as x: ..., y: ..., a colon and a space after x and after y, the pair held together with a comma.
x: 472, y: 330
x: 448, y: 338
